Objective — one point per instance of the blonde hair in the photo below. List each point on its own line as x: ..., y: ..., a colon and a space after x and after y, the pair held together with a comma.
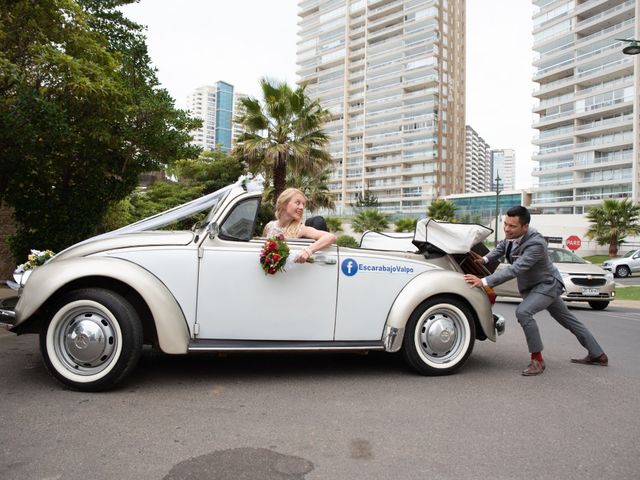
x: 293, y: 229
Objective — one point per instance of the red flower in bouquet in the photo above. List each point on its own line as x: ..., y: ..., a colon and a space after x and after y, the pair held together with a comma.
x: 274, y: 254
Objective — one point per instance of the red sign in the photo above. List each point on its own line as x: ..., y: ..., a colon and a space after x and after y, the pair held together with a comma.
x: 573, y: 243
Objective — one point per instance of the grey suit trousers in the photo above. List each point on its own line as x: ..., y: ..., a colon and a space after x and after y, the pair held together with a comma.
x: 534, y: 302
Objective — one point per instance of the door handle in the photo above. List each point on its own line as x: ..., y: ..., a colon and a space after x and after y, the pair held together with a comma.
x: 325, y: 260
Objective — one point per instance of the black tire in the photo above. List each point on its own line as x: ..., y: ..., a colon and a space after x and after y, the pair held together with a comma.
x: 439, y: 337
x: 598, y: 305
x: 623, y: 271
x: 92, y: 341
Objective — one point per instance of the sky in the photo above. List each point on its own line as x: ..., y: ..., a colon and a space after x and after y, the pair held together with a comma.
x: 198, y: 42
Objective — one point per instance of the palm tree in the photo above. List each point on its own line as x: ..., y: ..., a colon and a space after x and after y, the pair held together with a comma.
x: 282, y: 133
x: 612, y: 222
x: 369, y: 220
x: 315, y: 188
x: 442, y: 209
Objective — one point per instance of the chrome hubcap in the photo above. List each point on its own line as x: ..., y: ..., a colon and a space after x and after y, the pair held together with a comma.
x: 441, y: 336
x: 85, y: 341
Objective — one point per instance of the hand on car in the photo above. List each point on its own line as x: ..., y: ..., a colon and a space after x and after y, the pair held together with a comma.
x: 303, y: 255
x: 472, y: 280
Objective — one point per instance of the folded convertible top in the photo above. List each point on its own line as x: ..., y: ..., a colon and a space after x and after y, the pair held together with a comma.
x: 449, y: 237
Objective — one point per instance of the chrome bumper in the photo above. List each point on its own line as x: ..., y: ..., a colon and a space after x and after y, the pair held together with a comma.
x: 7, y: 312
x: 498, y: 321
x: 392, y: 338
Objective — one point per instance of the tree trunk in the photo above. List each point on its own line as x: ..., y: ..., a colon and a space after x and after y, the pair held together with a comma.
x: 279, y: 177
x: 613, y: 246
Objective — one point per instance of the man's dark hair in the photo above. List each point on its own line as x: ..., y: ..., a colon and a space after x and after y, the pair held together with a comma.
x: 318, y: 222
x: 521, y: 212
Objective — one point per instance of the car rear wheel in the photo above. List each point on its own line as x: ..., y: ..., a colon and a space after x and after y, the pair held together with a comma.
x: 440, y: 336
x: 93, y: 339
x: 623, y: 271
x: 598, y: 305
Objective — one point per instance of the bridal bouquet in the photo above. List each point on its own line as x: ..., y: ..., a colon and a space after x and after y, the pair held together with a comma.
x: 274, y: 254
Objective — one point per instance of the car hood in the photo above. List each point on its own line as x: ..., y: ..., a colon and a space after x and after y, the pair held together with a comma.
x: 126, y: 240
x: 582, y: 268
x: 616, y: 260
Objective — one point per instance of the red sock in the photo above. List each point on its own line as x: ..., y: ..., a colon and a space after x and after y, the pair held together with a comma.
x: 536, y: 356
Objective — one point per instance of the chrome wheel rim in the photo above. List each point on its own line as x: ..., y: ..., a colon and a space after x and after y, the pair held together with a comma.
x: 441, y: 335
x: 85, y: 340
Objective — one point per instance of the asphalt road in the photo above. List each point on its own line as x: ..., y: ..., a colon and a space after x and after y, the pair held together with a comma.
x: 335, y: 416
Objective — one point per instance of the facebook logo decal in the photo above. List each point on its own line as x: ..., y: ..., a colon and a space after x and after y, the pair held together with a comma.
x: 349, y: 267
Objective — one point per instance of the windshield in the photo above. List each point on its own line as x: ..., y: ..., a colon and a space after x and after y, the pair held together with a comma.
x: 629, y: 254
x: 559, y: 255
x: 219, y: 200
x: 212, y: 201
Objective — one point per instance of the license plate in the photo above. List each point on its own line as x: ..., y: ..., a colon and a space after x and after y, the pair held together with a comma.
x: 590, y: 291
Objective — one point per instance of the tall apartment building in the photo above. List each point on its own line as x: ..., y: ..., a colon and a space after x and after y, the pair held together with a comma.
x: 392, y: 73
x: 503, y: 163
x: 213, y: 104
x: 477, y: 171
x: 588, y: 137
x: 238, y: 109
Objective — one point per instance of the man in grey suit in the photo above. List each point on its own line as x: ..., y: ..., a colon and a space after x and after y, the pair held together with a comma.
x: 540, y: 285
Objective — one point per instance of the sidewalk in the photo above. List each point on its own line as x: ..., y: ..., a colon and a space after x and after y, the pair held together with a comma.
x: 625, y: 303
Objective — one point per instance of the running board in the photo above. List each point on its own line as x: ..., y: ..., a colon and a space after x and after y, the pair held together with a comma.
x: 280, y: 345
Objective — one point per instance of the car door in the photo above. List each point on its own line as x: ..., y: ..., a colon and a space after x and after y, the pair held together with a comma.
x: 634, y: 263
x: 238, y: 301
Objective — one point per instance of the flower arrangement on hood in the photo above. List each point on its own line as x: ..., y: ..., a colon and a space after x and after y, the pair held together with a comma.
x: 35, y: 259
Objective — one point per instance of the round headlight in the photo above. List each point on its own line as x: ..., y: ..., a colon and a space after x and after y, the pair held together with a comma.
x: 608, y: 276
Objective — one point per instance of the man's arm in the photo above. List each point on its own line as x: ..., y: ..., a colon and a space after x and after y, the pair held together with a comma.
x: 498, y: 252
x: 531, y: 254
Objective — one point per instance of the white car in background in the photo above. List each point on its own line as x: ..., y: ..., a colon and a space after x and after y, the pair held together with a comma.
x: 624, y: 266
x: 584, y: 281
x: 95, y: 304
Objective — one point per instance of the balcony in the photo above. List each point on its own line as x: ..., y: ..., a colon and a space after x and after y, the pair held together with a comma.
x: 612, y: 15
x: 560, y: 167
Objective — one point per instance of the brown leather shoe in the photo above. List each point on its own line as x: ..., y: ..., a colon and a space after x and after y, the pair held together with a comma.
x: 534, y: 368
x: 602, y: 360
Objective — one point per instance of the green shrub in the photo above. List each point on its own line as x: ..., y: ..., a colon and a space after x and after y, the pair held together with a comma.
x: 406, y: 224
x: 347, y: 241
x: 334, y: 224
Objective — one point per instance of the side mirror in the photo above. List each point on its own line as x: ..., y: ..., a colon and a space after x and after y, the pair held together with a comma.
x: 213, y: 229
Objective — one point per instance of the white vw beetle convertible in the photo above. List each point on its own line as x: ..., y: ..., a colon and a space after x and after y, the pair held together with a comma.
x: 96, y: 303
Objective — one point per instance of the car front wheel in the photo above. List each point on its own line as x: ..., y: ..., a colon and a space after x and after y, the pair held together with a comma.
x: 440, y: 336
x: 93, y: 339
x: 623, y: 271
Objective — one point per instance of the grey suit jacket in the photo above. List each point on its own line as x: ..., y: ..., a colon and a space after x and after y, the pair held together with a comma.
x: 531, y: 266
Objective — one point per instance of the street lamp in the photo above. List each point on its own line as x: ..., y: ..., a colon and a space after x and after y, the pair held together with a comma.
x: 633, y: 48
x: 495, y: 242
